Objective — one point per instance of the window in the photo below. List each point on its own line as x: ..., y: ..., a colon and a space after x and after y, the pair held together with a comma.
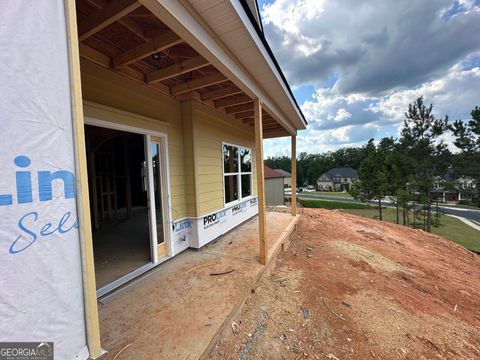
x: 237, y: 172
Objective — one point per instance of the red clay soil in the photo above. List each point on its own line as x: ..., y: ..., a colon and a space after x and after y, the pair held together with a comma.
x: 347, y: 287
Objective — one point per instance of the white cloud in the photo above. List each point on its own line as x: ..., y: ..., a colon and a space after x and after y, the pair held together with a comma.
x: 351, y: 120
x: 373, y: 46
x: 385, y: 54
x: 454, y: 94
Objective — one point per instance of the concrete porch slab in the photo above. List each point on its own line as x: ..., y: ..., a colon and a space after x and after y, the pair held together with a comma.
x: 177, y: 311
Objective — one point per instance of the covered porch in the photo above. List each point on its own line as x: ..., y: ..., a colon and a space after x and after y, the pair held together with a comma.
x: 177, y: 310
x: 188, y: 76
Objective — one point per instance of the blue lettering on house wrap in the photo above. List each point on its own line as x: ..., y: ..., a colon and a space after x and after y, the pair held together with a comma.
x: 29, y: 236
x: 31, y: 228
x: 23, y: 182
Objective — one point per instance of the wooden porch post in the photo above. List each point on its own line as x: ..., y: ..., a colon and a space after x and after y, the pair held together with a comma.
x: 294, y: 175
x: 83, y: 205
x: 262, y: 216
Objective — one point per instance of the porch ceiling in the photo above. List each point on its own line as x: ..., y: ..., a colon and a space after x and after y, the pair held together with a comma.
x: 125, y: 37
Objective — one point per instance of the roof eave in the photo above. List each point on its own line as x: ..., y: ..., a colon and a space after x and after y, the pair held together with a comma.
x: 256, y: 33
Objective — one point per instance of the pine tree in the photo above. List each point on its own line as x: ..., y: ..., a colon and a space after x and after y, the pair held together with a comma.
x: 420, y: 136
x: 372, y: 178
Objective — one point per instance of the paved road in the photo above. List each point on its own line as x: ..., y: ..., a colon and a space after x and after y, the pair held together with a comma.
x: 466, y: 213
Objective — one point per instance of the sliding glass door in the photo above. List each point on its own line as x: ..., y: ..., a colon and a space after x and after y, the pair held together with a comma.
x: 157, y: 198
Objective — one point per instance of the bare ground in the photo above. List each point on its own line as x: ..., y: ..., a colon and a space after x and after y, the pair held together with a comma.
x: 353, y: 288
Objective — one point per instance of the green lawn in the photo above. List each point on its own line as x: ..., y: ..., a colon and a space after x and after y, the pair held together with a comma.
x: 328, y: 193
x: 325, y: 204
x: 450, y: 228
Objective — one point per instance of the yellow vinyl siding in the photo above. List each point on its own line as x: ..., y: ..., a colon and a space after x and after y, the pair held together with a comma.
x: 195, y: 135
x: 107, y: 88
x: 210, y: 129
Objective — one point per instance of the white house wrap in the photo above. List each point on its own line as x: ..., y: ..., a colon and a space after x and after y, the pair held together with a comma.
x: 41, y: 296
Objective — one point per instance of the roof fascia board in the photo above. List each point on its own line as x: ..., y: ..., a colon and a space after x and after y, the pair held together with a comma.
x: 182, y: 19
x: 237, y: 6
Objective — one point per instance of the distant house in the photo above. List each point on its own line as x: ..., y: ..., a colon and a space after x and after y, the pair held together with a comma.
x: 274, y: 185
x: 337, y: 179
x: 450, y: 188
x: 288, y: 178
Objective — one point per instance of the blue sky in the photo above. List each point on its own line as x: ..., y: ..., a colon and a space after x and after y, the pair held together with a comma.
x: 354, y: 66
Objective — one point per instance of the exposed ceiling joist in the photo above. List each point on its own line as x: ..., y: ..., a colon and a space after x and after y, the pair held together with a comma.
x: 198, y: 83
x: 234, y: 100
x: 239, y: 108
x: 99, y: 20
x: 221, y: 93
x: 244, y: 114
x: 159, y: 43
x: 104, y: 61
x: 126, y: 22
x: 94, y: 56
x: 180, y: 68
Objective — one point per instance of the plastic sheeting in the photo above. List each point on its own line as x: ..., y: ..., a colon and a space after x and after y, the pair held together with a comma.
x: 41, y: 296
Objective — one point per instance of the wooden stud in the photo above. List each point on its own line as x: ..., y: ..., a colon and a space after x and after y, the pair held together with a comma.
x: 92, y: 324
x: 262, y: 215
x: 112, y: 12
x: 180, y: 68
x: 160, y: 43
x: 234, y: 100
x: 221, y: 93
x: 238, y: 108
x: 294, y: 175
x: 198, y: 83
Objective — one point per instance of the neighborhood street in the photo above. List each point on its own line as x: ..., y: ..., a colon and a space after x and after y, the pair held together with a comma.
x: 465, y: 213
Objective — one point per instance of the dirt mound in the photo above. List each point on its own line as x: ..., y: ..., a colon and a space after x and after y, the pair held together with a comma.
x: 363, y: 255
x: 352, y: 288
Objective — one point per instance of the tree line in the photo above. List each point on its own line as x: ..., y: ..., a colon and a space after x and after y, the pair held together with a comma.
x: 408, y: 168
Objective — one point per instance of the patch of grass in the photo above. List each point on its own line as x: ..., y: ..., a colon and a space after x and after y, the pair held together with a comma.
x: 450, y: 228
x: 325, y: 204
x: 328, y: 193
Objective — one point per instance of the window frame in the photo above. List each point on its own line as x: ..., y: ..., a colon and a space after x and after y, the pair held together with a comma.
x: 238, y: 173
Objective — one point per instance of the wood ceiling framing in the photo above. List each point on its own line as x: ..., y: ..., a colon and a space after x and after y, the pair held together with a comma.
x: 124, y: 37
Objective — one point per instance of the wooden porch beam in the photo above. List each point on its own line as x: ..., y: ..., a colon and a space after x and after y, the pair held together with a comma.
x: 180, y: 68
x: 160, y: 43
x: 269, y: 134
x: 198, y: 83
x: 294, y: 175
x: 99, y: 20
x: 238, y: 108
x: 262, y: 215
x: 265, y: 124
x: 272, y: 127
x: 234, y: 100
x: 221, y: 93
